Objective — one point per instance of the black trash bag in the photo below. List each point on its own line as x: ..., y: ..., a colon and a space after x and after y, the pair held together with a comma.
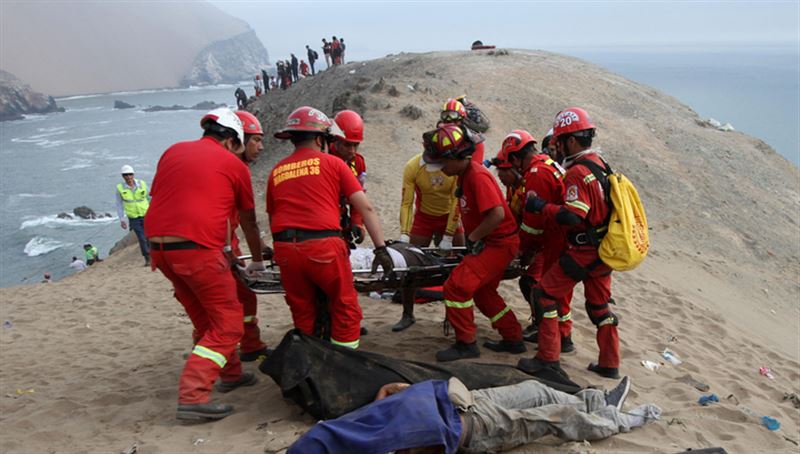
x: 328, y: 381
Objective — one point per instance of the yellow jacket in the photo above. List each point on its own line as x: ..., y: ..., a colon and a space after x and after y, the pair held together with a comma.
x: 435, y: 195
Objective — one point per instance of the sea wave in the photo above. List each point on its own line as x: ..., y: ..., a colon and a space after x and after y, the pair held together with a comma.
x: 152, y: 90
x: 41, y: 245
x: 53, y: 221
x: 36, y: 195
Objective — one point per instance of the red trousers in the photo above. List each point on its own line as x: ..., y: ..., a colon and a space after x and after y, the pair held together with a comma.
x: 543, y: 261
x: 474, y: 282
x: 251, y: 340
x: 324, y: 265
x: 556, y: 284
x: 205, y: 287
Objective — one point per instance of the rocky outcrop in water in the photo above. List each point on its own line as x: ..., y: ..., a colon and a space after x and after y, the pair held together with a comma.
x: 17, y: 98
x: 205, y: 105
x: 123, y: 105
x: 228, y: 60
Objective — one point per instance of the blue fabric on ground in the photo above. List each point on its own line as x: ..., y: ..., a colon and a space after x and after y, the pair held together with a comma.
x: 421, y: 415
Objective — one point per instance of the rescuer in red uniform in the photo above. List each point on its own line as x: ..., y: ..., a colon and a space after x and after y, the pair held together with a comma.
x: 303, y: 192
x: 584, y: 214
x: 346, y: 148
x: 492, y: 243
x: 197, y: 189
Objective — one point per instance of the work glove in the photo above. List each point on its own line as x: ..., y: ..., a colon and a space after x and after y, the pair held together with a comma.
x: 384, y: 259
x: 267, y: 253
x: 357, y: 233
x: 447, y: 243
x: 254, y: 269
x: 404, y: 239
x: 534, y: 204
x: 474, y: 247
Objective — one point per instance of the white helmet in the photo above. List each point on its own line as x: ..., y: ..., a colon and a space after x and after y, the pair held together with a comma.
x: 126, y: 169
x: 225, y: 117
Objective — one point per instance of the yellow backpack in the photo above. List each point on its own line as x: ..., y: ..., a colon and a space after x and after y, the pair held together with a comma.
x: 626, y: 241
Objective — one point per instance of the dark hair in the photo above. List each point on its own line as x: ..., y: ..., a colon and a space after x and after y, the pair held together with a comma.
x: 219, y: 132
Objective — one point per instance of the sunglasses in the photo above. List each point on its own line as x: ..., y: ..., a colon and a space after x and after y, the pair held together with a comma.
x: 127, y: 174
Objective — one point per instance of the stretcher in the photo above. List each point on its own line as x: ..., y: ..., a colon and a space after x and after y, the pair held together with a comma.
x: 422, y: 267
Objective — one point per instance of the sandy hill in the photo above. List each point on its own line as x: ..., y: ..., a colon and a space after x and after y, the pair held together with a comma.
x: 64, y: 48
x: 91, y: 363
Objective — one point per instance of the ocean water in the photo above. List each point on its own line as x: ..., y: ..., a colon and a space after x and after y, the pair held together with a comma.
x: 757, y: 90
x: 54, y: 163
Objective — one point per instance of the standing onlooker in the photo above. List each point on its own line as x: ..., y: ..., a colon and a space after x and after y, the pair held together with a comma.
x: 303, y: 68
x: 265, y: 80
x: 257, y: 84
x: 312, y: 57
x: 341, y: 49
x: 46, y: 279
x: 132, y: 202
x: 295, y: 76
x: 326, y: 50
x: 77, y: 264
x: 336, y: 52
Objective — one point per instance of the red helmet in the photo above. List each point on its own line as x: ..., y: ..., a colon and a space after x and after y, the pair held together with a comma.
x: 308, y: 119
x: 250, y: 123
x: 572, y: 120
x: 515, y: 141
x: 352, y: 125
x: 501, y: 161
x: 453, y: 110
x: 447, y: 141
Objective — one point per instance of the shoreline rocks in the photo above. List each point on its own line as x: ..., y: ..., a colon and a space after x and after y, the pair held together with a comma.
x: 18, y: 99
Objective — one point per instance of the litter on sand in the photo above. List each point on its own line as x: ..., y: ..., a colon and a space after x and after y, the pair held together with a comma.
x: 705, y: 400
x: 689, y: 380
x: 650, y: 365
x: 670, y: 356
x: 766, y: 371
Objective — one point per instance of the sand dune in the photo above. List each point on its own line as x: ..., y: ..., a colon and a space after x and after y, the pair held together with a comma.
x: 91, y: 366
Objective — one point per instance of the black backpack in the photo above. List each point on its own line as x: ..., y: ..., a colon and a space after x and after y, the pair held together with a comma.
x: 316, y: 55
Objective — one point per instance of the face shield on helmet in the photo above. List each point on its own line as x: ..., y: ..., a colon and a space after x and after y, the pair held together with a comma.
x: 448, y: 141
x: 453, y: 111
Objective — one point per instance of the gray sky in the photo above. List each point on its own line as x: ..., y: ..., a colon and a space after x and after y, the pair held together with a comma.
x: 374, y: 29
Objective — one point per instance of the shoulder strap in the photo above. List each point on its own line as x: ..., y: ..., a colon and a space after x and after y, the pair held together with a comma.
x: 600, y: 173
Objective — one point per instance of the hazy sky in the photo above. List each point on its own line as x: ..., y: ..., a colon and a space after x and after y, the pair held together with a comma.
x: 373, y: 29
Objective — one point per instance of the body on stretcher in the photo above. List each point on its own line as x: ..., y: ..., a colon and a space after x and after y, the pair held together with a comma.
x: 414, y: 267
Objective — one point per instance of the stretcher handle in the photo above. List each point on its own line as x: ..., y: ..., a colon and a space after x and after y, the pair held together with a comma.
x: 413, y: 268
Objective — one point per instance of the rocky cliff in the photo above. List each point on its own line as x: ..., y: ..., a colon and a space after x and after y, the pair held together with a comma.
x: 17, y: 98
x: 100, y: 47
x: 228, y: 60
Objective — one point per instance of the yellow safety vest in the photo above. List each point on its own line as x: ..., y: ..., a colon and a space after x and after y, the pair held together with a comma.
x: 135, y: 203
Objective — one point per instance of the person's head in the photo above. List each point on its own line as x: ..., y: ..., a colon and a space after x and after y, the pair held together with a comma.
x: 302, y: 62
x: 47, y: 276
x: 352, y: 125
x: 253, y: 136
x: 520, y: 147
x: 334, y: 38
x: 547, y: 147
x: 127, y: 174
x: 573, y: 132
x: 87, y: 246
x: 505, y: 171
x: 74, y: 258
x: 341, y: 40
x: 225, y: 127
x: 293, y: 56
x: 452, y: 112
x: 308, y: 127
x: 306, y: 46
x: 323, y: 41
x: 449, y: 146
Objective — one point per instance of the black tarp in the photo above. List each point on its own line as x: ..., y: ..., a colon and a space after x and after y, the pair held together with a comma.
x: 328, y: 381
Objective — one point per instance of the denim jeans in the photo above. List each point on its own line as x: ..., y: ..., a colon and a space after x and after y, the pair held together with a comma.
x: 136, y: 226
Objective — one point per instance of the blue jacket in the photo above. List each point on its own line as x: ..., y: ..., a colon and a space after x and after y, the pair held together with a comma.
x: 421, y: 415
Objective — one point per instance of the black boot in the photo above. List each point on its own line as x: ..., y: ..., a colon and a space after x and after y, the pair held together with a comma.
x: 533, y: 365
x: 608, y: 372
x: 247, y: 379
x: 405, y: 322
x: 459, y: 350
x: 566, y: 345
x: 503, y: 345
x: 531, y: 334
x: 194, y: 412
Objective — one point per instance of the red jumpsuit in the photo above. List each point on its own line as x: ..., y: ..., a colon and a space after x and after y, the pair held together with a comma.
x: 580, y: 262
x: 475, y: 280
x: 198, y: 187
x: 303, y: 192
x: 540, y: 236
x: 251, y: 340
